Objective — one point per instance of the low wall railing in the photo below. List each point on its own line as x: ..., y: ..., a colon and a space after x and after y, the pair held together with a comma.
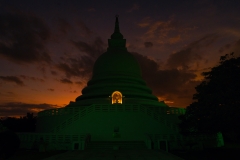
x: 60, y: 111
x: 73, y: 118
x: 62, y: 141
x: 214, y: 140
x: 72, y: 110
x: 116, y: 108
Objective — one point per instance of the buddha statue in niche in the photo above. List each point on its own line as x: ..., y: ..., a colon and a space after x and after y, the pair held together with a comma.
x: 116, y: 97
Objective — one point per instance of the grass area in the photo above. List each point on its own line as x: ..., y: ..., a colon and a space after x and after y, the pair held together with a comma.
x: 229, y: 151
x: 33, y: 154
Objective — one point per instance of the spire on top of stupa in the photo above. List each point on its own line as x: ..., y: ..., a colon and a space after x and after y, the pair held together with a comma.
x: 116, y: 40
x: 116, y: 29
x: 116, y: 34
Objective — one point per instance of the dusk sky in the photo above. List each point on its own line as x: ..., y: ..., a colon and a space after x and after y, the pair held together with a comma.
x: 48, y: 48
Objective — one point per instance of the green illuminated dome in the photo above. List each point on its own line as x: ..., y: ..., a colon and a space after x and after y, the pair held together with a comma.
x: 118, y: 63
x: 117, y: 70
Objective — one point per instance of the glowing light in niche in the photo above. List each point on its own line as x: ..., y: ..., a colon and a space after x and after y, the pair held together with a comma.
x: 116, y: 97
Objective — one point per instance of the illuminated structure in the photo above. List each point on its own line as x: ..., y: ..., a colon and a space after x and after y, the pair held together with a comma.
x: 117, y: 97
x: 115, y: 106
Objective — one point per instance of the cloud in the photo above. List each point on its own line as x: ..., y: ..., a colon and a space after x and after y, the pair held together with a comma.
x: 148, y: 44
x: 86, y: 30
x: 79, y: 82
x: 231, y: 47
x: 50, y: 89
x: 54, y: 73
x: 63, y: 25
x: 67, y: 69
x: 166, y: 83
x: 18, y: 79
x: 12, y: 79
x: 165, y: 32
x: 7, y: 94
x: 162, y: 32
x: 160, y: 29
x: 145, y: 22
x: 31, y: 78
x: 90, y: 49
x: 81, y: 66
x: 77, y: 25
x: 22, y: 38
x: 66, y: 81
x: 20, y: 109
x: 236, y: 48
x: 190, y: 54
x: 225, y: 47
x: 175, y: 39
x: 91, y: 9
x: 134, y: 8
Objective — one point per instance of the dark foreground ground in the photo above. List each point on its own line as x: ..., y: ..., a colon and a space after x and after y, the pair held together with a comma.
x: 210, y: 154
x: 229, y: 151
x: 33, y: 155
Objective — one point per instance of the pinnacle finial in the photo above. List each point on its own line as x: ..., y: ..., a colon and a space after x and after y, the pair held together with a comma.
x: 116, y: 29
x: 116, y: 34
x: 116, y: 40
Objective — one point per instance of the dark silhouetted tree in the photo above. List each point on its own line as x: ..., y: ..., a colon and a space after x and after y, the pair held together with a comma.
x: 217, y: 101
x: 9, y: 142
x: 22, y: 124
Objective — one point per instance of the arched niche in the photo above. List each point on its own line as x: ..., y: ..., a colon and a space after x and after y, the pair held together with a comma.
x: 116, y: 97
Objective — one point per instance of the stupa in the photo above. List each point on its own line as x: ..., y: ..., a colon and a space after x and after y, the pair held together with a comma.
x: 117, y: 70
x: 115, y: 106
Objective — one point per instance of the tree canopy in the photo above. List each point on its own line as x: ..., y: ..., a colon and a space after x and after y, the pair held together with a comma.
x: 22, y: 124
x: 217, y: 100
